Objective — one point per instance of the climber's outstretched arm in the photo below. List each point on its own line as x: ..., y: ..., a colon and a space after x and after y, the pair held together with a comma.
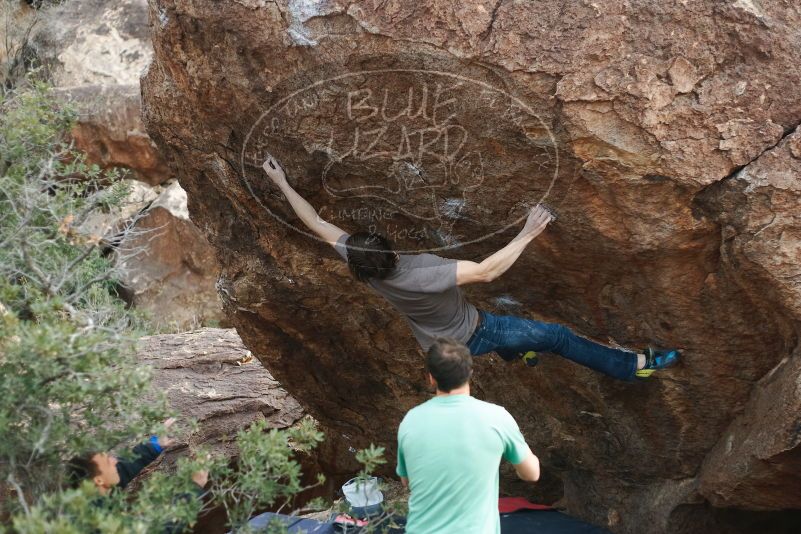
x: 470, y: 272
x: 327, y: 231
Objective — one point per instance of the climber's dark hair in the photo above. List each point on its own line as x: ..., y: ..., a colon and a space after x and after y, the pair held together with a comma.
x: 450, y: 363
x: 370, y: 256
x: 80, y: 468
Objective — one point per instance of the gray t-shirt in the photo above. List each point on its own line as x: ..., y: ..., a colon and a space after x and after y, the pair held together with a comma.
x: 423, y: 288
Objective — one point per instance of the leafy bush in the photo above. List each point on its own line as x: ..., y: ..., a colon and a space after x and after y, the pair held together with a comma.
x: 69, y: 382
x: 68, y: 379
x: 265, y: 475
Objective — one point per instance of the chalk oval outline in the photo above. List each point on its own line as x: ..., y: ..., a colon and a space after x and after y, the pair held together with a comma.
x: 480, y: 83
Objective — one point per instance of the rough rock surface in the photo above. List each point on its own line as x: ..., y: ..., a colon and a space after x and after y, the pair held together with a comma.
x: 109, y: 131
x: 757, y: 461
x: 208, y: 375
x: 94, y: 53
x: 93, y: 42
x: 661, y: 133
x: 167, y: 267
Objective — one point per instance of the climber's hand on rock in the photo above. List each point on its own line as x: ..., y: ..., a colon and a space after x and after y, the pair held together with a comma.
x: 274, y: 171
x: 538, y: 219
x: 201, y: 478
x: 166, y: 441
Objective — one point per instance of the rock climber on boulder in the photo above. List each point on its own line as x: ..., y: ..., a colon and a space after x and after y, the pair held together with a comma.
x: 425, y: 288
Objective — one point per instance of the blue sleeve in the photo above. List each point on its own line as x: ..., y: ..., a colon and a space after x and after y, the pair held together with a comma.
x: 515, y: 448
x: 154, y: 440
x: 141, y: 457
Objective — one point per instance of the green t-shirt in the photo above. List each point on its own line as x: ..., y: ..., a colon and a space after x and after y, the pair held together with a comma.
x: 450, y: 449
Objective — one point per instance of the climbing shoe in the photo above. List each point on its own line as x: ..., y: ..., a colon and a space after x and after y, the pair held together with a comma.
x: 657, y: 359
x: 531, y: 358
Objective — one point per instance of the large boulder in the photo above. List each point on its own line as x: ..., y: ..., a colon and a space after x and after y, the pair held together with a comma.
x: 209, y: 376
x: 94, y: 52
x: 167, y: 267
x: 163, y: 263
x: 109, y: 131
x: 438, y: 123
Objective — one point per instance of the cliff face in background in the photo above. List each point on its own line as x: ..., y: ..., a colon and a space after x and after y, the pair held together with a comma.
x: 208, y: 375
x: 666, y: 138
x: 93, y: 52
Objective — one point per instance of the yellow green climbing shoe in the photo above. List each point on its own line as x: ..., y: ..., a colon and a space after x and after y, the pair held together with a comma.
x: 531, y: 358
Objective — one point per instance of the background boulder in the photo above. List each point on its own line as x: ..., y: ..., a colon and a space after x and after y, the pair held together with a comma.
x: 167, y: 267
x: 208, y: 375
x: 94, y: 52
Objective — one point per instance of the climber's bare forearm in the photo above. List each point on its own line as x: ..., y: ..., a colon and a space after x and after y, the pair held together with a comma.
x: 529, y: 468
x: 328, y: 232
x: 501, y: 261
x: 468, y: 272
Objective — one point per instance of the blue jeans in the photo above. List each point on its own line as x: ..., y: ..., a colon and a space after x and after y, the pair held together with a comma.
x: 510, y: 336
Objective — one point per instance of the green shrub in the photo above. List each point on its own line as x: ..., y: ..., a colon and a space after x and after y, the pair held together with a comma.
x: 265, y: 475
x: 68, y: 378
x: 69, y: 382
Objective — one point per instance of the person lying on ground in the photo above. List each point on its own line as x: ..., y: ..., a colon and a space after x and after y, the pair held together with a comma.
x: 108, y: 472
x: 425, y: 288
x: 450, y: 448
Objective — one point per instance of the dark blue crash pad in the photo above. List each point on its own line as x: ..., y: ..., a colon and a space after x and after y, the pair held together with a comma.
x: 545, y: 522
x: 294, y: 524
x: 520, y: 522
